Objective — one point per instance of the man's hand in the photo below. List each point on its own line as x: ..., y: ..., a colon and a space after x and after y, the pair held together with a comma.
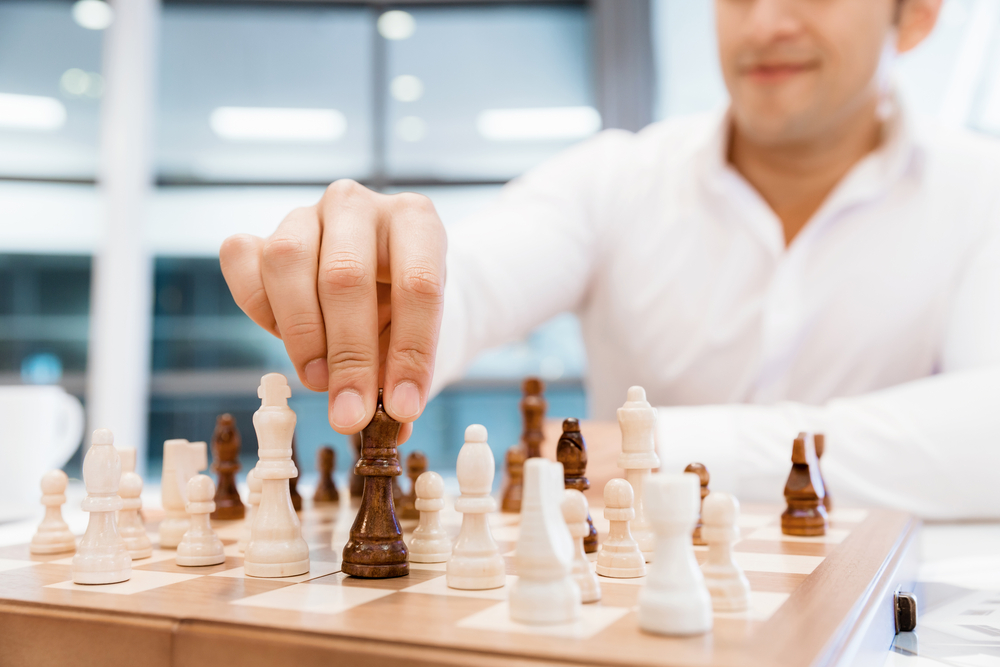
x: 354, y: 286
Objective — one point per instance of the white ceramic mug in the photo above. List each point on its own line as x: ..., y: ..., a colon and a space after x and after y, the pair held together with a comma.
x: 41, y: 427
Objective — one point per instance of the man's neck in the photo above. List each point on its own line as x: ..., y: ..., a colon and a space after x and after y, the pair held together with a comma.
x: 795, y: 178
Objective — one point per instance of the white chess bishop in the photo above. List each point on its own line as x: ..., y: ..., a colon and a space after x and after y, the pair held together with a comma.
x: 545, y: 591
x: 619, y: 557
x: 200, y: 545
x: 129, y: 521
x: 53, y: 535
x: 637, y: 420
x: 102, y: 557
x: 253, y: 499
x: 430, y: 542
x: 725, y: 580
x: 476, y: 563
x: 575, y: 510
x: 276, y: 547
x: 182, y: 460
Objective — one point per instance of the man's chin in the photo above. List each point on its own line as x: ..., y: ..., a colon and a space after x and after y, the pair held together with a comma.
x: 772, y: 125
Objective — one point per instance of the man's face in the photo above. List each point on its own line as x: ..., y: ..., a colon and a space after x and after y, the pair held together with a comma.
x: 797, y: 68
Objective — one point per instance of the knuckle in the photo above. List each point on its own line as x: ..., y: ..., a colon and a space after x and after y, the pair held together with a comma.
x: 346, y: 359
x: 422, y: 282
x: 345, y: 189
x: 414, y: 201
x: 286, y: 251
x: 302, y: 325
x: 343, y: 271
x: 413, y: 357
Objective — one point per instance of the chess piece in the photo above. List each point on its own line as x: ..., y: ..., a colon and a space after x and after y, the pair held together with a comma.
x: 514, y: 465
x: 200, y: 545
x: 727, y: 585
x: 820, y: 442
x: 226, y: 444
x: 416, y: 465
x: 357, y: 482
x: 571, y: 452
x: 53, y: 535
x: 533, y: 407
x: 376, y: 549
x: 476, y: 563
x: 130, y: 525
x: 276, y: 547
x: 545, y: 591
x: 182, y: 460
x: 430, y: 542
x: 326, y: 490
x: 804, y: 492
x: 703, y: 479
x: 127, y: 456
x: 576, y: 512
x: 253, y: 499
x: 674, y: 600
x: 102, y: 557
x: 620, y: 556
x: 637, y: 421
x: 293, y: 482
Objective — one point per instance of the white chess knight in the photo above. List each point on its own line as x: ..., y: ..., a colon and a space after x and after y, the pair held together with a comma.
x: 637, y: 420
x: 253, y: 499
x: 674, y: 600
x: 619, y: 557
x: 726, y: 582
x: 53, y: 535
x: 102, y: 557
x: 200, y: 545
x: 182, y: 460
x: 476, y: 563
x: 129, y: 521
x: 574, y: 511
x: 545, y: 591
x: 276, y: 547
x: 430, y: 542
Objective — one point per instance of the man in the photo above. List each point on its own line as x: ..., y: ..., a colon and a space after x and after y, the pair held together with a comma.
x: 809, y: 260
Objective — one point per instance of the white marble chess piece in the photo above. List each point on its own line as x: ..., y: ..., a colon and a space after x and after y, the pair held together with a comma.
x: 253, y: 499
x: 574, y: 511
x: 725, y: 580
x: 130, y: 525
x: 674, y: 600
x: 637, y: 420
x: 430, y: 542
x: 545, y: 591
x: 101, y: 557
x: 619, y: 557
x: 276, y: 547
x: 476, y: 563
x: 53, y: 535
x: 182, y: 460
x: 200, y: 545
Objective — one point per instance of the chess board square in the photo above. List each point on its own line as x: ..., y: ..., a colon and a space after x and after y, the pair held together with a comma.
x: 848, y: 515
x: 142, y: 580
x: 755, y: 520
x: 15, y: 564
x: 833, y: 535
x: 762, y: 606
x: 158, y: 556
x: 317, y: 569
x: 594, y: 618
x: 443, y: 567
x: 439, y: 586
x: 781, y: 563
x: 314, y: 599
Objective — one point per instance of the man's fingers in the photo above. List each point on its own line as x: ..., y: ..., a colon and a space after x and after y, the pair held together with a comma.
x: 289, y: 267
x: 240, y: 259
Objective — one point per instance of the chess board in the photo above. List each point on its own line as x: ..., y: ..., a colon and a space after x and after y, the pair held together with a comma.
x: 815, y: 601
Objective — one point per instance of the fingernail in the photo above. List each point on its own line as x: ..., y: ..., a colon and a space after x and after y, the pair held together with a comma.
x: 348, y: 409
x: 317, y: 374
x: 405, y: 400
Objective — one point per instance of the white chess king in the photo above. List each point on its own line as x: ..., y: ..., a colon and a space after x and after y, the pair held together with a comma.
x: 637, y: 420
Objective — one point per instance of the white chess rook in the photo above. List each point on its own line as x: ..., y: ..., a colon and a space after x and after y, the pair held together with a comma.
x: 476, y: 563
x: 182, y: 460
x: 619, y: 557
x: 129, y: 521
x: 276, y: 547
x: 200, y: 545
x: 53, y: 535
x: 545, y: 591
x: 725, y: 580
x: 575, y: 510
x: 637, y: 420
x: 674, y: 600
x: 102, y: 557
x: 430, y: 542
x: 253, y: 499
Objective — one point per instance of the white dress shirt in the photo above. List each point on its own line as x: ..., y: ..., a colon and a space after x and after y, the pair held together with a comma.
x: 879, y: 325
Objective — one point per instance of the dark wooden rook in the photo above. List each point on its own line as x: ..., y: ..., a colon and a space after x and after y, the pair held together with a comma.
x: 820, y: 441
x: 226, y: 443
x: 805, y: 514
x: 326, y: 463
x: 533, y: 407
x: 571, y: 452
x: 416, y: 465
x: 293, y: 482
x: 703, y: 479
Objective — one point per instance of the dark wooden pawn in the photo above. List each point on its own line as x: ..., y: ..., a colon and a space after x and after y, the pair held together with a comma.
x: 571, y: 452
x: 326, y: 463
x: 416, y: 465
x: 703, y: 478
x: 293, y: 482
x: 226, y: 443
x: 533, y: 408
x: 357, y: 483
x: 805, y: 514
x: 820, y: 441
x: 514, y: 488
x: 375, y: 549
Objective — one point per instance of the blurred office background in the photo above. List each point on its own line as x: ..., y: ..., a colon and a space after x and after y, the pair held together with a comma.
x: 235, y: 112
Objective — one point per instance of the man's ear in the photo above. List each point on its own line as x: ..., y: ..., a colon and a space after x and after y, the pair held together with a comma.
x: 916, y: 20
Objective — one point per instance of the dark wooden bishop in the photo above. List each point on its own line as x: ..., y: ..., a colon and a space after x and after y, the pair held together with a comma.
x: 326, y: 463
x: 805, y: 514
x: 293, y: 482
x: 416, y: 465
x: 703, y: 479
x: 375, y: 549
x: 820, y: 441
x: 571, y: 452
x: 226, y: 443
x: 533, y: 408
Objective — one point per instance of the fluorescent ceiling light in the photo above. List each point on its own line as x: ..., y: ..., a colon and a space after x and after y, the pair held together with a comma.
x: 396, y: 24
x: 31, y: 112
x: 264, y: 124
x: 93, y: 14
x: 538, y: 124
x: 406, y: 88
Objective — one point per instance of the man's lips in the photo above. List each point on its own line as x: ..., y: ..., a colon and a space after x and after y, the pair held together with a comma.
x: 777, y: 72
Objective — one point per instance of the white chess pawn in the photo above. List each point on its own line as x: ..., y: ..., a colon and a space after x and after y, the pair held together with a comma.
x: 182, y: 460
x: 53, y: 536
x: 476, y: 563
x: 619, y: 556
x: 674, y: 600
x: 129, y: 522
x: 200, y: 545
x: 102, y: 557
x: 430, y: 542
x: 637, y: 420
x: 253, y: 499
x: 725, y: 580
x: 545, y: 591
x: 574, y: 511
